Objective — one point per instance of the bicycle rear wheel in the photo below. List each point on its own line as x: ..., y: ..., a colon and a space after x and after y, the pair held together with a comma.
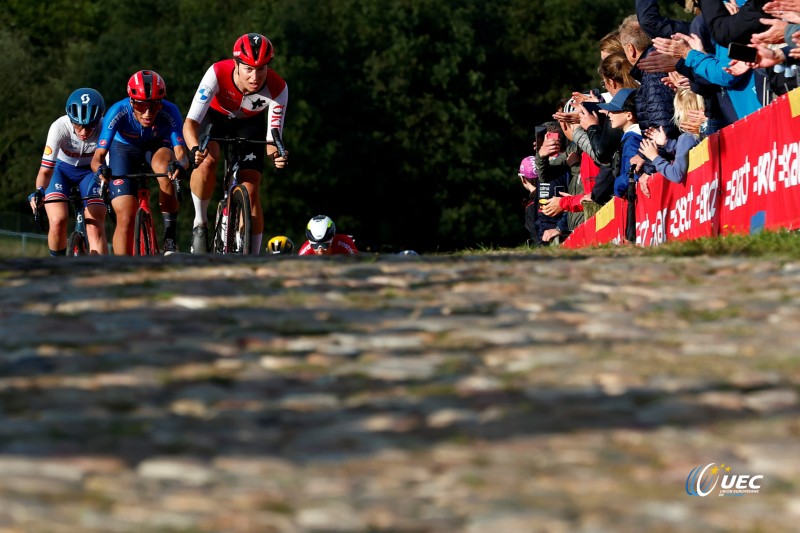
x: 76, y: 244
x: 143, y: 234
x: 238, y: 237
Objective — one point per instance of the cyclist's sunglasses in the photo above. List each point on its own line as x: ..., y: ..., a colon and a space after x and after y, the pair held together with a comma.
x: 320, y: 245
x: 143, y: 105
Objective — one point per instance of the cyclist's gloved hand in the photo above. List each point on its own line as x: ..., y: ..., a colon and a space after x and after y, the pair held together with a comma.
x: 36, y: 196
x: 103, y: 171
x: 196, y: 156
x: 174, y: 166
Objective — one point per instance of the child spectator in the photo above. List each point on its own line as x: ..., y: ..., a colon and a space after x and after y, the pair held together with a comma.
x: 685, y: 101
x: 622, y: 115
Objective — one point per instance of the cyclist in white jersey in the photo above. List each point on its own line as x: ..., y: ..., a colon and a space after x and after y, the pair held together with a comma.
x: 71, y: 143
x: 240, y: 97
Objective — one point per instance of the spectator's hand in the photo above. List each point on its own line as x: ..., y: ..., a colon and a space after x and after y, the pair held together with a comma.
x: 580, y: 98
x: 671, y: 47
x: 529, y: 185
x: 574, y: 159
x: 695, y: 42
x: 553, y: 206
x: 675, y: 81
x: 644, y: 184
x: 637, y: 161
x: 549, y: 147
x: 773, y: 34
x: 550, y: 234
x: 569, y: 118
x: 588, y: 119
x: 779, y: 8
x: 692, y: 121
x: 656, y: 135
x: 732, y: 7
x: 656, y: 62
x: 767, y: 57
x: 649, y: 149
x: 736, y: 67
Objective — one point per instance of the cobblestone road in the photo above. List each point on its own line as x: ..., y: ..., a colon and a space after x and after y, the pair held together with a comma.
x: 495, y: 394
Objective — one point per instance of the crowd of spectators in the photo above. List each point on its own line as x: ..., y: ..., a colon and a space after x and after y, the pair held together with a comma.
x: 667, y: 84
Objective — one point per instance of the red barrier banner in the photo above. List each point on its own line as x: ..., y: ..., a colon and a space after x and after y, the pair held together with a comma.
x: 607, y: 226
x: 760, y: 169
x: 682, y: 211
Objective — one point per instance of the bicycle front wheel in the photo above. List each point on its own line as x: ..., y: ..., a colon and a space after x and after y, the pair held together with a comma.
x: 143, y: 234
x: 76, y: 244
x: 238, y: 238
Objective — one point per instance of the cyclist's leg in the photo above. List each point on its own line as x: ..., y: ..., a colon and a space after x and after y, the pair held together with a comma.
x: 94, y: 214
x: 56, y: 198
x: 204, y: 177
x: 251, y: 180
x: 167, y: 201
x: 123, y: 160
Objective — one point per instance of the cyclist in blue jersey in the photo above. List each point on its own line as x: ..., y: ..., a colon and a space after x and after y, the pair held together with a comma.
x: 143, y: 130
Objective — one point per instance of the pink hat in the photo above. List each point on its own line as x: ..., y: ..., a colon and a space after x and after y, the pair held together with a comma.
x: 527, y: 168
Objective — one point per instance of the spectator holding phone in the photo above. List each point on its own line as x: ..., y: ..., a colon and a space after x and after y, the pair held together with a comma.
x: 554, y: 176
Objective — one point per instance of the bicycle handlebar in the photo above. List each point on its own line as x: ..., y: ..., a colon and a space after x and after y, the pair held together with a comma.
x: 276, y: 136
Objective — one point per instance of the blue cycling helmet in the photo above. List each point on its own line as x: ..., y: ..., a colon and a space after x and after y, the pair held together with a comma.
x: 85, y: 107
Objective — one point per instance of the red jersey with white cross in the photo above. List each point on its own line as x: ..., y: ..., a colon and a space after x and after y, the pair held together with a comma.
x: 340, y: 245
x: 217, y: 91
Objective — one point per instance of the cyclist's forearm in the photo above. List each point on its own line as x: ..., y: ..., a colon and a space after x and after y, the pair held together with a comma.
x: 98, y: 159
x: 191, y: 129
x: 43, y: 177
x: 182, y: 155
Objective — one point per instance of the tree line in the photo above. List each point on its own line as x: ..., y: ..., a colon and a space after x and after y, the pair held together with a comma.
x: 406, y: 118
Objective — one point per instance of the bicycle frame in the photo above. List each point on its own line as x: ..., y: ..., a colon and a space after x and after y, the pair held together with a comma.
x: 234, y: 204
x: 145, y: 241
x: 233, y: 238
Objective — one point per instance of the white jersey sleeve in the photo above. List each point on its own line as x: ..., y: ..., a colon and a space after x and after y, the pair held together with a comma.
x: 209, y: 86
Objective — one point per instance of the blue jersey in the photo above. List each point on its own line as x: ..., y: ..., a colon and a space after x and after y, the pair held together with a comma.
x: 120, y: 125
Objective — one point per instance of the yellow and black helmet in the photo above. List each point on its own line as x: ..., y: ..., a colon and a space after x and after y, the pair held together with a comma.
x: 280, y: 245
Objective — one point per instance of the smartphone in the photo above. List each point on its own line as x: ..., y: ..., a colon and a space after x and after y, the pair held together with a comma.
x: 742, y: 52
x: 591, y: 107
x: 540, y: 131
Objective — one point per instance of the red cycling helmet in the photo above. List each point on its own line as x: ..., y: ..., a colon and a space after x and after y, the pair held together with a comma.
x: 147, y: 85
x: 253, y: 49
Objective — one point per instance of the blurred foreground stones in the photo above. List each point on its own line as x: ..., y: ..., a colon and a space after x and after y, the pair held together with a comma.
x: 499, y: 394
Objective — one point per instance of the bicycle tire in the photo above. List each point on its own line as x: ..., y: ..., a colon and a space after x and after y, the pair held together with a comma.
x: 143, y: 233
x: 218, y: 240
x: 239, y: 220
x: 76, y: 244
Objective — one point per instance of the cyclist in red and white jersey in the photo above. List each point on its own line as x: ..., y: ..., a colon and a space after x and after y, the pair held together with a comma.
x: 323, y: 239
x: 241, y: 97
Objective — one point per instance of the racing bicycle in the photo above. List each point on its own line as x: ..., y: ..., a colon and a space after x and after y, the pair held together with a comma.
x: 232, y: 231
x: 145, y: 241
x: 77, y: 241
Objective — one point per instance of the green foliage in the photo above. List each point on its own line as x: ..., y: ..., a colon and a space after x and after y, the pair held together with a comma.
x: 406, y: 118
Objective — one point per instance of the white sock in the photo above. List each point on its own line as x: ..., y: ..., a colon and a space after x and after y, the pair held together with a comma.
x: 255, y: 243
x: 200, y: 211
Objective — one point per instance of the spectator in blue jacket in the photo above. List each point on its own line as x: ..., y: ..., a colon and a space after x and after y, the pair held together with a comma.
x: 653, y: 99
x: 622, y: 115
